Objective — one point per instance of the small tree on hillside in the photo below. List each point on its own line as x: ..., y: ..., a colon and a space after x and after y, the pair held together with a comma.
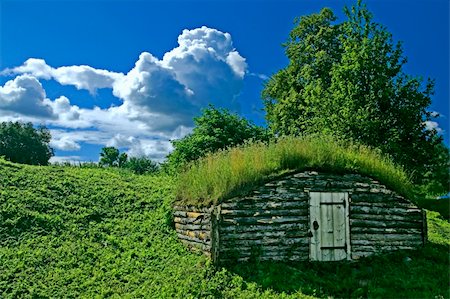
x: 141, y: 165
x: 215, y: 129
x: 110, y: 156
x: 22, y: 143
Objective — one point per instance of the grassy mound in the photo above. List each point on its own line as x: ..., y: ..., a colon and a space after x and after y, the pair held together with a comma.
x: 94, y: 233
x: 228, y: 173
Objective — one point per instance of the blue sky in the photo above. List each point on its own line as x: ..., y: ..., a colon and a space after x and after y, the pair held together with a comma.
x: 132, y: 74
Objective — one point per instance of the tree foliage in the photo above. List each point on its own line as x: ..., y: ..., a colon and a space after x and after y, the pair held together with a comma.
x: 112, y: 157
x: 347, y: 79
x: 22, y: 143
x: 215, y: 129
x: 141, y: 165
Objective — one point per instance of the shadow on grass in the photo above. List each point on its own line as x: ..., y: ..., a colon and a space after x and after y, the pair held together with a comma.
x: 442, y: 206
x: 404, y: 274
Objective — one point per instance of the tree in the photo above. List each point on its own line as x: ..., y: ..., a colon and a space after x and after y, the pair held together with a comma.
x: 122, y: 160
x: 22, y: 143
x: 141, y: 165
x: 110, y: 156
x: 215, y: 129
x: 346, y: 79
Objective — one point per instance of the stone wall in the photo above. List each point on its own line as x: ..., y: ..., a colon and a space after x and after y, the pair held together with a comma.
x: 193, y: 227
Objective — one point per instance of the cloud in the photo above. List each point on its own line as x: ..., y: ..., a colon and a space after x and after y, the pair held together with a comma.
x: 81, y: 136
x: 203, y: 69
x: 66, y: 159
x: 24, y: 98
x: 24, y: 95
x: 205, y: 45
x: 120, y: 141
x: 206, y: 62
x: 64, y: 110
x: 432, y: 125
x: 237, y: 63
x: 65, y: 144
x: 36, y: 67
x: 159, y: 97
x: 151, y: 90
x: 81, y: 76
x: 260, y: 76
x: 156, y: 150
x: 135, y: 145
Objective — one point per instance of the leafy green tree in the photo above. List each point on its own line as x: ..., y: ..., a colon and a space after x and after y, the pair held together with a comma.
x: 215, y: 129
x: 141, y: 165
x: 122, y: 160
x: 110, y: 156
x: 346, y: 79
x: 22, y: 143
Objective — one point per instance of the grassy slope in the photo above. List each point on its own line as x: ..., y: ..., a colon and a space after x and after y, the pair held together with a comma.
x: 69, y: 232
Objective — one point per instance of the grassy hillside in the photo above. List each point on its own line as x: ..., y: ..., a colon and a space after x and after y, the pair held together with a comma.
x: 227, y: 173
x: 94, y: 233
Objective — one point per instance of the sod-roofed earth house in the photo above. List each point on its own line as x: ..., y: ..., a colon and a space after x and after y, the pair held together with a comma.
x: 323, y: 212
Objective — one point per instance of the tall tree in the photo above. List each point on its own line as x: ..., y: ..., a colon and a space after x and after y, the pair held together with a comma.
x: 22, y: 143
x: 346, y: 79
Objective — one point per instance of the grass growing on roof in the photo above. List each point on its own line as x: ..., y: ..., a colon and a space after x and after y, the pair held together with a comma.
x: 230, y: 172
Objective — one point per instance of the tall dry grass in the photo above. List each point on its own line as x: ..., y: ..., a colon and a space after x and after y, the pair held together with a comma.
x: 230, y: 172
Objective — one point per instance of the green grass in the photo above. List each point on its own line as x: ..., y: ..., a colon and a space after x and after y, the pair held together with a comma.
x: 99, y: 233
x: 230, y: 172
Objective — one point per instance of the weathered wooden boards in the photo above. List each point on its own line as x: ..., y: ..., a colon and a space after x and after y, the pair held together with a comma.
x: 356, y: 217
x: 384, y: 222
x: 264, y: 228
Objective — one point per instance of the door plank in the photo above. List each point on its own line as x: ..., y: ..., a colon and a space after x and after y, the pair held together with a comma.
x: 339, y: 226
x: 314, y: 215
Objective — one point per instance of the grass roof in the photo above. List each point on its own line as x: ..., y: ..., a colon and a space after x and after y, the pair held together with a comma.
x: 235, y: 171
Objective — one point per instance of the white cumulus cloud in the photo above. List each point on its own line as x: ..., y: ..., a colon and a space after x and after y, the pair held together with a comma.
x: 156, y: 150
x: 159, y: 97
x: 203, y: 69
x: 64, y: 144
x: 81, y: 76
x: 24, y: 95
x: 120, y: 140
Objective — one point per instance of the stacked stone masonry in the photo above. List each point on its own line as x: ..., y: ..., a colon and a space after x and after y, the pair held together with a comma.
x: 272, y: 222
x: 193, y: 227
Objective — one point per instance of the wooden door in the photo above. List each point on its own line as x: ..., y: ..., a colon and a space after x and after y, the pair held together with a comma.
x: 329, y: 226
